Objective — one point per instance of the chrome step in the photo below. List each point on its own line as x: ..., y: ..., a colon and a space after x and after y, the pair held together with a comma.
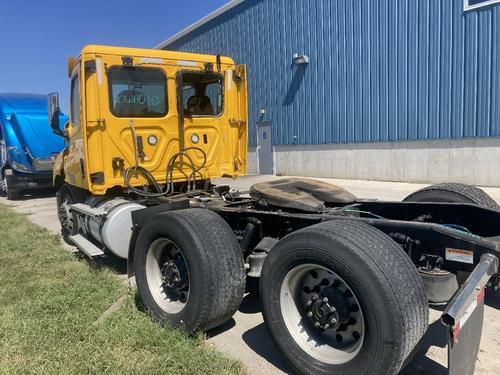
x: 87, y: 210
x: 87, y: 247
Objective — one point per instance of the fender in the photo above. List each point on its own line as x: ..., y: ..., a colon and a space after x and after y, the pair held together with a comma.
x: 58, y: 171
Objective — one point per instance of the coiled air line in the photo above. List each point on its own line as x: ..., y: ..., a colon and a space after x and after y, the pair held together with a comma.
x: 137, y: 169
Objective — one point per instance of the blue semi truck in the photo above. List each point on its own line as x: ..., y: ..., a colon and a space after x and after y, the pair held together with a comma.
x: 28, y: 147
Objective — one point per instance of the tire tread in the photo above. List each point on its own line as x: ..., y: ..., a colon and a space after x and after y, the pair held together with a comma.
x: 224, y: 263
x: 471, y: 193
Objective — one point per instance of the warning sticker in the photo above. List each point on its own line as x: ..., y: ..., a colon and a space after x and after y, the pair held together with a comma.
x: 459, y: 255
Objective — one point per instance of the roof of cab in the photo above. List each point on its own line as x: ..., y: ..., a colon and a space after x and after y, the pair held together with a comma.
x: 154, y: 53
x: 22, y: 102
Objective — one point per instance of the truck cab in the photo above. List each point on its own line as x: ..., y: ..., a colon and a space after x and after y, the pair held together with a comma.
x: 28, y: 148
x: 136, y: 113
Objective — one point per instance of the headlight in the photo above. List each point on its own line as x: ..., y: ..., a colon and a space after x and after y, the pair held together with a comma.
x: 43, y: 164
x: 19, y: 167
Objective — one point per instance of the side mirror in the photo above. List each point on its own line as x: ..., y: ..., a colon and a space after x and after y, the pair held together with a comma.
x: 54, y: 112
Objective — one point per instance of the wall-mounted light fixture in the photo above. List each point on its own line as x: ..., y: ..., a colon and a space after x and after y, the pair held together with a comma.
x: 299, y: 59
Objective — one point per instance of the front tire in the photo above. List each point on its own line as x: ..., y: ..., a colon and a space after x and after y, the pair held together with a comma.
x: 65, y: 197
x: 7, y: 188
x: 361, y: 281
x: 189, y: 269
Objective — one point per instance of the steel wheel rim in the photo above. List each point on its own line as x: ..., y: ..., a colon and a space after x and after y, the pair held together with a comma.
x: 65, y: 215
x: 298, y: 290
x: 170, y: 299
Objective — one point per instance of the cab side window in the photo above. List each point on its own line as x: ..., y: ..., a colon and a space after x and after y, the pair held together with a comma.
x: 202, y: 93
x: 75, y: 100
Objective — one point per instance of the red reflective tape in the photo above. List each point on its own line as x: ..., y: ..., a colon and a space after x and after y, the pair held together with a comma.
x: 480, y: 296
x: 455, y: 331
x: 470, y: 310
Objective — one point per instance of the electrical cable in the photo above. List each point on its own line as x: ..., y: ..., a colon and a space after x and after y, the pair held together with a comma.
x: 364, y: 212
x: 169, y: 181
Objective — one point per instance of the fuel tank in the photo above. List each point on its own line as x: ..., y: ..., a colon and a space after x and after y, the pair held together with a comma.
x: 114, y: 229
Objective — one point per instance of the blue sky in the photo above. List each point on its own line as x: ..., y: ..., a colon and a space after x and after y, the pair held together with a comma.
x: 37, y: 35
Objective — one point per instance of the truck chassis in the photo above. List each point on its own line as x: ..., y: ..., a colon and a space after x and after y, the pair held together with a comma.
x: 339, y: 276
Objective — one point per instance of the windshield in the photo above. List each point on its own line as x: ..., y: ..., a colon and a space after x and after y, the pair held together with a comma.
x: 137, y: 92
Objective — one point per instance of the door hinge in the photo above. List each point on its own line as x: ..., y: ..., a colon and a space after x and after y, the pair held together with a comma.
x: 90, y: 66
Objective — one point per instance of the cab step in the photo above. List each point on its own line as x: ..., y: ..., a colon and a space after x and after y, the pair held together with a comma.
x: 87, y: 210
x: 87, y: 247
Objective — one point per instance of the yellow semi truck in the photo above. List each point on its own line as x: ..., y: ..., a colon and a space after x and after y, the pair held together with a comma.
x: 344, y: 282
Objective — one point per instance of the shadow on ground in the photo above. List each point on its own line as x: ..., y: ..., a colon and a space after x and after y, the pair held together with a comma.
x: 117, y: 265
x: 435, y: 336
x: 492, y: 298
x: 259, y: 340
x: 36, y: 194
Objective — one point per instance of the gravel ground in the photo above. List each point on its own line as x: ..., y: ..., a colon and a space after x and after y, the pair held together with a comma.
x: 245, y: 337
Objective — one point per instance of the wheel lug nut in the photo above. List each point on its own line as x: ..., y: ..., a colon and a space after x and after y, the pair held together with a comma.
x: 309, y: 303
x: 309, y: 314
x: 317, y: 324
x: 325, y: 299
x: 327, y: 326
x: 315, y: 297
x: 333, y: 321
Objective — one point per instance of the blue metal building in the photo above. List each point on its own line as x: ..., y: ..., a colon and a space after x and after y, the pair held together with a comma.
x: 394, y: 89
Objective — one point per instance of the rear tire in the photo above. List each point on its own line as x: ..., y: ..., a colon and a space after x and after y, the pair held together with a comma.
x: 197, y: 247
x: 453, y: 193
x: 370, y: 268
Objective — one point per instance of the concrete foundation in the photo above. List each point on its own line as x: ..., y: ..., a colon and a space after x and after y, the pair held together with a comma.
x: 472, y: 161
x: 252, y: 162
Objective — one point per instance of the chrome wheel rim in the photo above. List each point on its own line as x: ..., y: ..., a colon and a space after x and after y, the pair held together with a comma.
x: 167, y: 276
x: 322, y: 313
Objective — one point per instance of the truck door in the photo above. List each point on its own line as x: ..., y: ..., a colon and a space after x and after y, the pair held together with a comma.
x: 214, y: 119
x: 240, y: 122
x: 74, y: 165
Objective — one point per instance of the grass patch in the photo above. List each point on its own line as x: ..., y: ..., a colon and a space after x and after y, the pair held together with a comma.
x: 49, y: 301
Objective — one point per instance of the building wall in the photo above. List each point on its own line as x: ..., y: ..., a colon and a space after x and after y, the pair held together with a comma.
x: 380, y: 70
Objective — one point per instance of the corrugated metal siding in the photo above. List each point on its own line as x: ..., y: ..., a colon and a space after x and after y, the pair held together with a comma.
x: 380, y: 69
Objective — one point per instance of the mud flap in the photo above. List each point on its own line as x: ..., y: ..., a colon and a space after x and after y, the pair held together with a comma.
x: 463, y: 318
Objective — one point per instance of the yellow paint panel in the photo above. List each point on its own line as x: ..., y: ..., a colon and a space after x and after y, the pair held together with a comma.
x: 102, y: 141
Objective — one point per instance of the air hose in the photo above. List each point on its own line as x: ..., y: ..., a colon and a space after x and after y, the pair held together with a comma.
x: 169, y: 181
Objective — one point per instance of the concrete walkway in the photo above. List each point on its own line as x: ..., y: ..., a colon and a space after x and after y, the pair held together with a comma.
x: 245, y: 336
